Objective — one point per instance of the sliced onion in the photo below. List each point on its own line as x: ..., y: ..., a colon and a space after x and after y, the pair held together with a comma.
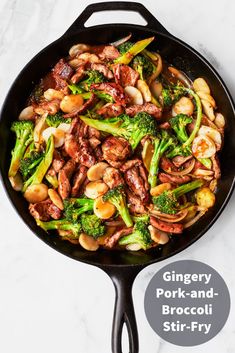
x: 195, y: 219
x: 185, y: 171
x: 203, y: 172
x: 169, y: 217
x: 181, y: 76
x: 121, y: 41
x: 115, y: 223
x: 159, y: 66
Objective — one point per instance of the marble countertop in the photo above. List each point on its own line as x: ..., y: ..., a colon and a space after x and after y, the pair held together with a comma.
x: 48, y: 302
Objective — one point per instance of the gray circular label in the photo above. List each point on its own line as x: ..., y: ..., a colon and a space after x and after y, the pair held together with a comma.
x: 187, y: 303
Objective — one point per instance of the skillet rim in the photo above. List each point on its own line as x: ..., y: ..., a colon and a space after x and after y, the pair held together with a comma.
x: 180, y: 42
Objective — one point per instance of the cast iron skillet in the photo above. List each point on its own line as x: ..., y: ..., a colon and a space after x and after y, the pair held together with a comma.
x: 121, y: 266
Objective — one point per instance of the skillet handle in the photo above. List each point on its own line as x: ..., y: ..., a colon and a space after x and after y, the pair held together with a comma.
x: 152, y: 22
x: 124, y: 310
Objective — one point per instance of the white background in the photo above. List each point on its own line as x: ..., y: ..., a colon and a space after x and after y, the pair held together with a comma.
x: 50, y: 303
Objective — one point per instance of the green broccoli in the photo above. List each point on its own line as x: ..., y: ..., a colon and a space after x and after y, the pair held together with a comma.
x: 133, y: 50
x: 24, y: 136
x: 117, y: 197
x: 52, y: 179
x: 76, y: 89
x: 178, y: 124
x: 75, y: 207
x: 124, y: 47
x: 61, y: 224
x: 132, y: 129
x: 92, y: 225
x: 143, y: 66
x: 185, y: 148
x: 57, y: 119
x: 28, y: 164
x: 40, y: 171
x: 167, y: 202
x: 140, y: 235
x: 104, y: 96
x: 161, y: 143
x: 171, y: 94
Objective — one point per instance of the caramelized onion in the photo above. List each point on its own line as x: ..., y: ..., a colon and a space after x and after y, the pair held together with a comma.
x: 169, y: 217
x: 185, y: 171
x: 181, y: 76
x: 196, y: 218
x: 121, y: 41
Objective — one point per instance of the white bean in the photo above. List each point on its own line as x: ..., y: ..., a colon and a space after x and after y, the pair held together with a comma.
x: 51, y: 94
x: 88, y: 242
x: 103, y: 209
x: 96, y: 172
x: 134, y: 94
x: 200, y: 85
x: 36, y: 193
x: 95, y: 189
x: 71, y: 103
x: 158, y: 236
x: 55, y: 198
x: 78, y: 48
x: 27, y: 113
x: 183, y: 106
x: 144, y: 89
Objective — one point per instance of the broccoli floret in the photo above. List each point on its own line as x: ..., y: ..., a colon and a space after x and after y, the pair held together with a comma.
x: 75, y: 89
x: 124, y: 47
x: 117, y: 197
x: 24, y: 136
x: 92, y: 225
x: 75, y: 207
x: 29, y: 163
x: 104, y: 96
x: 185, y: 148
x: 94, y: 76
x: 57, y: 119
x: 178, y: 124
x: 132, y: 129
x: 40, y: 171
x: 62, y: 224
x: 161, y: 143
x: 132, y: 51
x: 140, y: 235
x: 167, y: 202
x: 171, y: 95
x: 143, y: 66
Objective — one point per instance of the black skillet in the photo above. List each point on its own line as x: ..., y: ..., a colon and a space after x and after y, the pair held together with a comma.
x: 121, y: 266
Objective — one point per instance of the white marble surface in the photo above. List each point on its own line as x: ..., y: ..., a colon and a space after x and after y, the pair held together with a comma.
x: 50, y: 303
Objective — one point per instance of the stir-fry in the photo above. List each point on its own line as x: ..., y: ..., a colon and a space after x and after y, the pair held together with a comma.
x: 116, y: 148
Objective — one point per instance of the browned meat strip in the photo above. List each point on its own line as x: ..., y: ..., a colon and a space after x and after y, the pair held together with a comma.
x: 149, y: 108
x: 39, y: 210
x: 134, y: 203
x: 110, y: 109
x: 180, y: 160
x: 112, y: 241
x: 125, y: 75
x: 78, y: 76
x: 98, y: 154
x: 64, y: 177
x: 61, y: 73
x: 94, y: 142
x: 167, y: 165
x: 79, y: 128
x: 176, y: 179
x: 112, y: 177
x: 92, y: 132
x: 51, y: 107
x: 136, y: 179
x: 58, y: 161
x: 81, y: 110
x: 165, y: 125
x: 63, y: 70
x: 109, y: 52
x: 86, y: 156
x: 216, y: 167
x: 114, y: 90
x: 54, y: 211
x: 176, y: 228
x: 103, y: 69
x: 72, y: 147
x: 129, y: 164
x: 115, y: 150
x: 78, y: 179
